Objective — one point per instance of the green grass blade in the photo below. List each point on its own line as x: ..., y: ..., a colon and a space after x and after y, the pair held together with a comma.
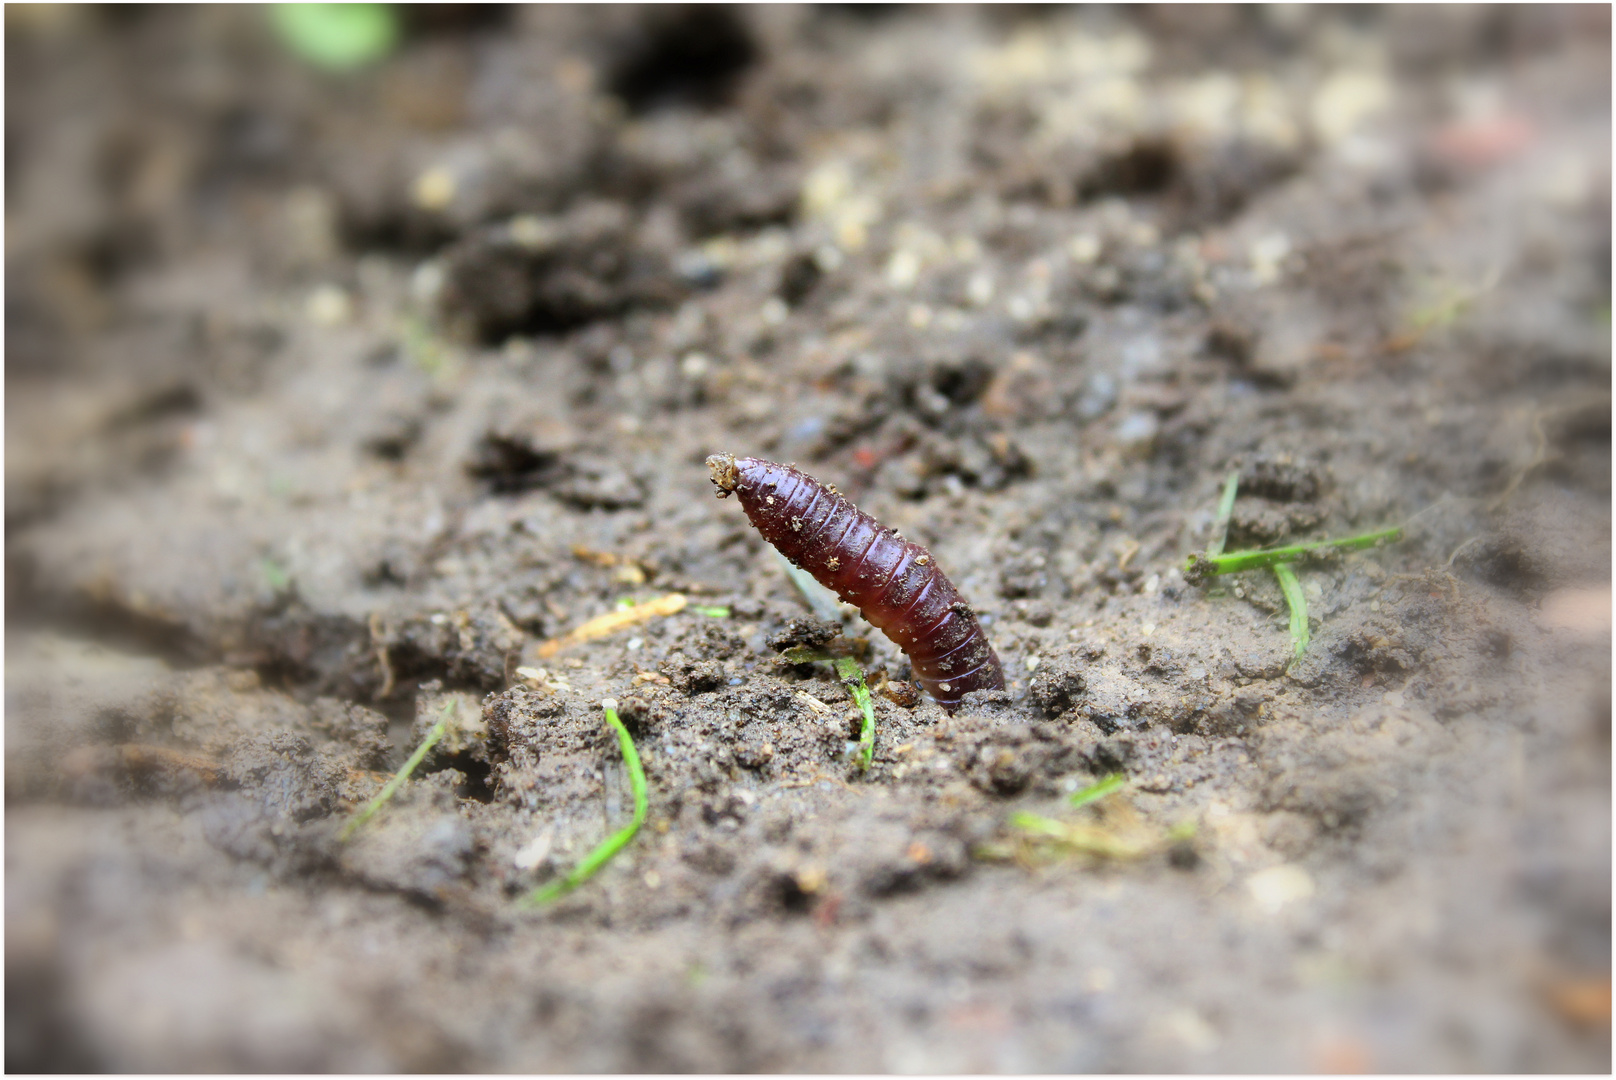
x: 403, y: 774
x: 1099, y: 789
x: 1296, y: 600
x: 618, y: 840
x: 1220, y: 525
x: 1087, y: 839
x: 848, y: 670
x: 337, y: 37
x: 1202, y: 566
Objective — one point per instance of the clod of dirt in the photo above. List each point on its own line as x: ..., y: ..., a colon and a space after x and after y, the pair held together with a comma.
x: 1003, y: 759
x: 1258, y: 522
x: 676, y: 55
x: 807, y: 632
x: 422, y: 848
x: 365, y: 730
x: 517, y: 458
x: 1059, y: 684
x: 283, y: 774
x: 694, y: 676
x: 641, y: 715
x: 468, y: 648
x: 540, y: 276
x: 798, y: 277
x: 1281, y: 480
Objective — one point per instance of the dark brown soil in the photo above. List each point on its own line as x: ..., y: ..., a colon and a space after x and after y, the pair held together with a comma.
x: 332, y: 398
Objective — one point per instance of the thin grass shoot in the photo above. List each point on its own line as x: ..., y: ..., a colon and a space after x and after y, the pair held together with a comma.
x: 614, y: 843
x: 391, y: 787
x: 1099, y: 789
x: 1296, y: 601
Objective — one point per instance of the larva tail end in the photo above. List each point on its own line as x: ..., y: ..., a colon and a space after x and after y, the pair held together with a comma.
x: 725, y: 476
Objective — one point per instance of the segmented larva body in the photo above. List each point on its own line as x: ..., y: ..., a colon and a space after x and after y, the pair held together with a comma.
x: 897, y: 584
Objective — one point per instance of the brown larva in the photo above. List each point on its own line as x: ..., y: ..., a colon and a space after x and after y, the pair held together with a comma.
x: 897, y: 584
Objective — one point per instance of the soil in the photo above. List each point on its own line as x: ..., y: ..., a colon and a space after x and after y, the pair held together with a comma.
x: 332, y: 398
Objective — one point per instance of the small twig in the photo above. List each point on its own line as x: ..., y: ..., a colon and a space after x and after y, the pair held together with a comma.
x: 403, y: 774
x: 618, y: 840
x: 613, y: 621
x: 1461, y: 547
x: 1220, y: 524
x: 1540, y: 454
x: 1296, y: 600
x: 378, y: 637
x: 1199, y: 567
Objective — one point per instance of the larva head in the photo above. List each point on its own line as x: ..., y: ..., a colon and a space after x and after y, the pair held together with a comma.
x: 726, y: 477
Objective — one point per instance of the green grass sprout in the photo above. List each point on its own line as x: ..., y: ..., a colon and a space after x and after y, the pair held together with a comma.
x: 337, y: 37
x: 1197, y: 568
x: 1296, y: 600
x: 1200, y: 567
x: 1220, y: 525
x: 1077, y: 838
x: 391, y: 787
x: 275, y: 575
x: 1099, y: 789
x: 848, y: 670
x: 618, y: 840
x: 712, y: 612
x: 852, y: 676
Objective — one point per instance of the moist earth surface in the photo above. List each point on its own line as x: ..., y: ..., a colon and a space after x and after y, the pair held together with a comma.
x: 339, y: 403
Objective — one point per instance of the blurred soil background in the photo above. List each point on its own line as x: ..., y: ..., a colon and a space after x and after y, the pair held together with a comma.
x: 332, y: 395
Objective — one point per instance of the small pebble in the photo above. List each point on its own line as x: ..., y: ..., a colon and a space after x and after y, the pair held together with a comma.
x: 1084, y: 248
x: 329, y: 305
x: 434, y: 189
x: 1137, y: 431
x: 979, y: 290
x: 903, y: 269
x: 1279, y: 886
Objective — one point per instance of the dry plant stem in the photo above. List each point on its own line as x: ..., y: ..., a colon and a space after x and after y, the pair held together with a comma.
x: 1296, y: 600
x: 619, y: 839
x: 611, y: 622
x: 391, y: 787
